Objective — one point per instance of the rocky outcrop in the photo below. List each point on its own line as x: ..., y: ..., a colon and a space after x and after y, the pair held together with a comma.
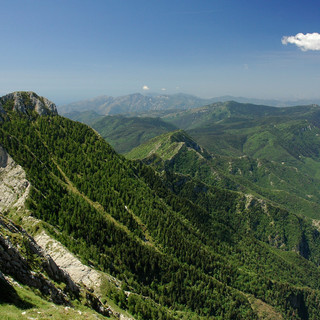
x: 28, y: 263
x: 78, y: 272
x: 14, y: 186
x: 20, y: 256
x: 19, y: 253
x: 22, y: 101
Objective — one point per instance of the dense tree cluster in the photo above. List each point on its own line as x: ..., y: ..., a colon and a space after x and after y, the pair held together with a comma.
x: 182, y: 247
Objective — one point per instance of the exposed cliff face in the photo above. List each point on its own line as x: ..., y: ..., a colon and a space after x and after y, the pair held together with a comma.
x: 23, y: 102
x: 78, y: 272
x: 14, y: 186
x: 26, y: 262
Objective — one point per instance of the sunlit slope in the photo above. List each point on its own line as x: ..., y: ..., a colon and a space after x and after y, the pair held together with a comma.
x: 290, y: 187
x: 231, y: 128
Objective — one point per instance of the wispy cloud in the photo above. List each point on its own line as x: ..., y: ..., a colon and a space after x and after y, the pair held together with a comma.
x: 145, y: 87
x: 308, y: 41
x: 163, y: 89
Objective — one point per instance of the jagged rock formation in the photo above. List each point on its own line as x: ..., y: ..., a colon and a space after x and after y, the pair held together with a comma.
x: 22, y: 101
x: 79, y: 273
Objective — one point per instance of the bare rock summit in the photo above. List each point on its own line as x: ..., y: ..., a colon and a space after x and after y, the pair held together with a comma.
x: 24, y: 101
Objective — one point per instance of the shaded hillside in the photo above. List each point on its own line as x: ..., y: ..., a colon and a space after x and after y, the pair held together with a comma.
x: 123, y: 133
x: 183, y: 249
x: 126, y: 133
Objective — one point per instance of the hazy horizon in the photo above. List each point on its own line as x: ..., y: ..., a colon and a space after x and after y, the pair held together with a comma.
x: 74, y: 50
x: 316, y: 100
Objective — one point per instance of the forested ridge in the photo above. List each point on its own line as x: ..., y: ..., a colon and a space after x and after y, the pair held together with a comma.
x: 189, y: 250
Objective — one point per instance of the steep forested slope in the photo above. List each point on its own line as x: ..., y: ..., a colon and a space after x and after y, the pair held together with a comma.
x: 186, y: 249
x: 290, y: 187
x: 273, y: 151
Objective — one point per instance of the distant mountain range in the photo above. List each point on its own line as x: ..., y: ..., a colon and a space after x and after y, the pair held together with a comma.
x: 134, y: 103
x: 138, y: 103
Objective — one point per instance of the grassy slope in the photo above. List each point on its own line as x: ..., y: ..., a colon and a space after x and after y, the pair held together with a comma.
x: 279, y: 134
x: 34, y: 307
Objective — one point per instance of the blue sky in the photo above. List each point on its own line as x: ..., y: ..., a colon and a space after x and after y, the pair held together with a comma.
x: 69, y: 50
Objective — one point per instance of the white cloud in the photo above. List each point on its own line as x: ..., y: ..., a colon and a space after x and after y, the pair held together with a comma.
x: 145, y: 87
x: 308, y: 41
x: 163, y: 89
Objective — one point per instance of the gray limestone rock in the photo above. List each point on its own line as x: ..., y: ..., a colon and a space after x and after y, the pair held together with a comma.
x: 14, y: 187
x: 22, y: 101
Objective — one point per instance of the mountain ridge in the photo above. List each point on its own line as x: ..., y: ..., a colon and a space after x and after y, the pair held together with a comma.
x: 183, y: 248
x: 134, y: 103
x: 138, y: 103
x: 272, y: 155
